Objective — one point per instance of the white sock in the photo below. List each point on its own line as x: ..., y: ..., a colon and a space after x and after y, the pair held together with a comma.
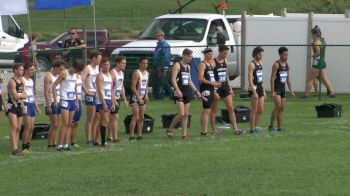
x: 59, y: 146
x: 66, y: 146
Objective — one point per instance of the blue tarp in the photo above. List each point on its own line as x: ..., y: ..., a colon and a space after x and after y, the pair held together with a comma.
x: 59, y: 4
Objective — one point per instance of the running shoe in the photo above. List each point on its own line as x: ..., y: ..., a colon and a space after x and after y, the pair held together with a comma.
x: 238, y: 132
x: 271, y: 128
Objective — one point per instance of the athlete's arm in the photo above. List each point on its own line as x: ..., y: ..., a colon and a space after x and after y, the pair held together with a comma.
x: 113, y: 76
x: 61, y: 77
x: 316, y: 47
x: 84, y: 75
x: 174, y: 71
x: 47, y: 82
x: 135, y: 77
x: 289, y: 84
x: 99, y: 85
x: 273, y: 77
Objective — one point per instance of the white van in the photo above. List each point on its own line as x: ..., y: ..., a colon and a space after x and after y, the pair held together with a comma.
x: 12, y: 38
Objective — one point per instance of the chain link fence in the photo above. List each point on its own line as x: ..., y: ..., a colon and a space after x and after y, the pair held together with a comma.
x: 337, y: 58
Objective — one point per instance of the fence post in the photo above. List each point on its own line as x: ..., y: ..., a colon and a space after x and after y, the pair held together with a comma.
x: 284, y: 12
x: 347, y: 13
x: 243, y: 47
x: 309, y: 48
x: 85, y: 49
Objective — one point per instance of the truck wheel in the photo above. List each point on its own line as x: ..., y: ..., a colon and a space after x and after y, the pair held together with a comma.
x: 43, y: 63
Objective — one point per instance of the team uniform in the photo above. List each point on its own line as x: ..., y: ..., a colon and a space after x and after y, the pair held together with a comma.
x: 91, y: 82
x: 119, y: 79
x: 107, y: 93
x: 281, y: 80
x: 68, y: 94
x: 77, y: 113
x: 29, y: 101
x: 55, y: 111
x: 207, y: 90
x: 319, y: 62
x: 220, y: 72
x: 141, y: 87
x: 183, y: 81
x: 12, y: 108
x: 257, y: 80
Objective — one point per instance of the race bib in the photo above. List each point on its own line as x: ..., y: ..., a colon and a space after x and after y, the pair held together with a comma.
x: 79, y: 95
x: 108, y: 93
x: 117, y: 93
x: 89, y: 98
x: 142, y: 91
x: 64, y: 104
x: 70, y: 95
x: 30, y: 98
x: 315, y: 62
x: 24, y: 109
x: 222, y: 76
x: 259, y: 76
x: 283, y: 77
x: 206, y: 93
x: 211, y: 77
x: 185, y: 79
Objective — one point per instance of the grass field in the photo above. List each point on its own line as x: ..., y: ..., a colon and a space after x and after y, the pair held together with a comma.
x: 310, y: 158
x: 125, y: 18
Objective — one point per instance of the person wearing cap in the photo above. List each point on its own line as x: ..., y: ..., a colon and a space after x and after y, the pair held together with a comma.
x: 161, y: 63
x: 224, y: 91
x: 207, y: 85
x: 73, y: 43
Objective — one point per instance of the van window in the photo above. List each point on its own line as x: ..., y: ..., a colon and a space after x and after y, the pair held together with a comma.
x: 9, y: 26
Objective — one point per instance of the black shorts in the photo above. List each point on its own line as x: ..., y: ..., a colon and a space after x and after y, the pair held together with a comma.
x: 18, y: 111
x: 209, y: 95
x: 116, y: 110
x: 133, y: 101
x: 224, y: 90
x: 186, y: 97
x: 280, y: 92
x: 260, y: 92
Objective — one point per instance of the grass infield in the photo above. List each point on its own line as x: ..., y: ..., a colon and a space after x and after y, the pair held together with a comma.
x: 310, y: 158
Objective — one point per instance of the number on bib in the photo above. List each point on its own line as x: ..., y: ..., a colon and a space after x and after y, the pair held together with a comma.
x: 185, y: 79
x: 64, y: 104
x: 283, y: 77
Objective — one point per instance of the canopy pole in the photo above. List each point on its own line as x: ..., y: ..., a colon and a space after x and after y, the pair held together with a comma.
x: 64, y: 19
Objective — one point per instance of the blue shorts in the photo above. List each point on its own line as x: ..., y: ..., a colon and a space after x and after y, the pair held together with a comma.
x: 77, y: 114
x: 68, y: 105
x: 55, y: 111
x: 109, y: 105
x: 90, y: 100
x: 30, y: 109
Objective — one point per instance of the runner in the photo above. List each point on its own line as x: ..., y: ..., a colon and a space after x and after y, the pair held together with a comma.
x: 256, y: 89
x: 207, y: 85
x: 67, y: 80
x: 119, y: 92
x: 31, y: 107
x: 225, y: 91
x: 139, y: 98
x: 50, y: 110
x: 15, y: 108
x: 280, y: 75
x: 182, y: 83
x: 89, y: 87
x: 104, y: 102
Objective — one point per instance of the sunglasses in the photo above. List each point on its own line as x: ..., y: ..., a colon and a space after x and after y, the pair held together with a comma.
x: 72, y: 33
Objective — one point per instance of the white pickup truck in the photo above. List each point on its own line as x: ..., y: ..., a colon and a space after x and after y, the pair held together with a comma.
x: 12, y: 38
x: 183, y: 31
